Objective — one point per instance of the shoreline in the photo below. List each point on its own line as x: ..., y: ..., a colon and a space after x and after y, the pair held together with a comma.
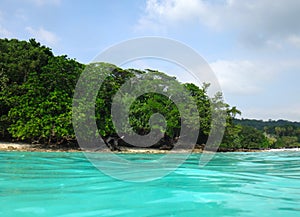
x: 11, y: 146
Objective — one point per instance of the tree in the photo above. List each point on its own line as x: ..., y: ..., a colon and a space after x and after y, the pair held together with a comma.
x: 204, y: 108
x: 36, y: 97
x: 252, y: 138
x: 17, y: 60
x: 43, y: 112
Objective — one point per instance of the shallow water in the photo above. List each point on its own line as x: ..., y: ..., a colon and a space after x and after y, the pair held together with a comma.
x: 232, y: 184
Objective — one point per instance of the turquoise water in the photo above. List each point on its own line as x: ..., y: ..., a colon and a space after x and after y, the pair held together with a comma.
x: 232, y: 184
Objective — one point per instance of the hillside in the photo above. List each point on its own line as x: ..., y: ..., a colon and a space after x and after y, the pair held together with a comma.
x: 260, y: 124
x: 37, y: 105
x: 280, y: 133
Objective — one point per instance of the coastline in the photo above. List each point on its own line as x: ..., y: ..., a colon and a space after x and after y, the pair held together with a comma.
x: 11, y: 146
x: 16, y: 146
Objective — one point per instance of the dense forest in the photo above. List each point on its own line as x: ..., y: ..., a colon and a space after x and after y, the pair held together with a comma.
x: 280, y: 133
x: 36, y: 98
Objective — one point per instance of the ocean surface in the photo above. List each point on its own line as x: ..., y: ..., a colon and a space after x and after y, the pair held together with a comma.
x: 231, y: 184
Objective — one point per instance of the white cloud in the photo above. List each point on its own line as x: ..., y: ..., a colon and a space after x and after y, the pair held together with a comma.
x: 294, y: 40
x: 257, y: 22
x: 290, y: 112
x: 159, y: 14
x: 45, y: 2
x: 175, y: 10
x: 271, y: 27
x: 5, y: 33
x: 43, y: 35
x: 21, y: 14
x: 242, y: 77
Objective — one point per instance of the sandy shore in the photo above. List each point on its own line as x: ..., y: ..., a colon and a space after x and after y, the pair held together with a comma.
x: 9, y: 146
x: 282, y: 149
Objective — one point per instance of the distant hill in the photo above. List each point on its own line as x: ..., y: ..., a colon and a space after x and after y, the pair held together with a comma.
x: 260, y: 124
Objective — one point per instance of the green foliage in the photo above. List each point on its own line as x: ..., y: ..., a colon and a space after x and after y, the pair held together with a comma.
x: 142, y: 108
x: 36, y: 99
x: 204, y: 108
x: 36, y: 96
x: 232, y: 138
x: 252, y: 138
x: 261, y: 125
x: 17, y: 60
x: 280, y: 134
x: 147, y: 105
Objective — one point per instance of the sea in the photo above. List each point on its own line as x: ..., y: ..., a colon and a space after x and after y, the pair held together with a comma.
x: 72, y: 185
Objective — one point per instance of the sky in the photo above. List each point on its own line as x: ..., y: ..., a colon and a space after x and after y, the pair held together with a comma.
x: 253, y: 46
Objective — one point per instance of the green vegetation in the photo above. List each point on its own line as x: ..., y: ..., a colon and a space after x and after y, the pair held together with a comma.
x: 36, y: 96
x: 280, y: 133
x: 36, y: 93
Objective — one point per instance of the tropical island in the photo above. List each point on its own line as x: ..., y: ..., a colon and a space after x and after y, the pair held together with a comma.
x: 36, y: 99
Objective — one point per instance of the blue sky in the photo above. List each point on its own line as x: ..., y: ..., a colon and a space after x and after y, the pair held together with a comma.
x: 253, y: 46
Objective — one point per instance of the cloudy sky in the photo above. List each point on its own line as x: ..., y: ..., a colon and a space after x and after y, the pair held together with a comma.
x: 253, y: 46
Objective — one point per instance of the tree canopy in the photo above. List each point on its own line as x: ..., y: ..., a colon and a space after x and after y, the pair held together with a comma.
x: 36, y: 96
x: 36, y: 93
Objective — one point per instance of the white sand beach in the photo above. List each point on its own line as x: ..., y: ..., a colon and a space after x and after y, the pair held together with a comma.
x: 11, y: 146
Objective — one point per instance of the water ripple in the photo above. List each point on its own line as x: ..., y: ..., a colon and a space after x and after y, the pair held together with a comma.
x: 232, y: 184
